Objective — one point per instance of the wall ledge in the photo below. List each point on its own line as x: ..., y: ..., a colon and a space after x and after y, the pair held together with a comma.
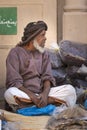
x: 6, y: 46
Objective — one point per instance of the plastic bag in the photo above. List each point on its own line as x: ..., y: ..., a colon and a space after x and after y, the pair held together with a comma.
x: 34, y: 111
x: 11, y: 126
x: 59, y: 109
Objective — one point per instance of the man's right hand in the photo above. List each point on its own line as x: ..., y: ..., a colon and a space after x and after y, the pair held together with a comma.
x: 34, y: 98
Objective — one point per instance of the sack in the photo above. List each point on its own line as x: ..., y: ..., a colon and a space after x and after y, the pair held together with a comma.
x: 73, y: 53
x: 55, y: 59
x: 59, y: 75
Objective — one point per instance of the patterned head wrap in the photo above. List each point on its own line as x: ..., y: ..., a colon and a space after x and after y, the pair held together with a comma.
x: 32, y: 30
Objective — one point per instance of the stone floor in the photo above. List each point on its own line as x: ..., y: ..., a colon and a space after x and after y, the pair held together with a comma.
x: 2, y: 101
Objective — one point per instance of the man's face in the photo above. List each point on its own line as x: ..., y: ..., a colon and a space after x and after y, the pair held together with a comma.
x: 39, y: 41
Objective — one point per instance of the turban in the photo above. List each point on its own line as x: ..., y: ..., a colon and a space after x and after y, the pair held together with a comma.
x: 32, y: 30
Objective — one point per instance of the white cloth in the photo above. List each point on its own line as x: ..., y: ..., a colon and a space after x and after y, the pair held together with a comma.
x: 64, y: 92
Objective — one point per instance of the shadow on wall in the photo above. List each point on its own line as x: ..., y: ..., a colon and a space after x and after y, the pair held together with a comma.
x: 3, y: 55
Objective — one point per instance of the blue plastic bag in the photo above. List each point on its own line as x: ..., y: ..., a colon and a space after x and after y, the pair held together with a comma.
x: 85, y: 104
x: 34, y: 111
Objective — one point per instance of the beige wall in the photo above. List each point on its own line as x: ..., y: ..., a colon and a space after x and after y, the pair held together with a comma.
x: 75, y: 21
x: 60, y: 11
x: 27, y: 11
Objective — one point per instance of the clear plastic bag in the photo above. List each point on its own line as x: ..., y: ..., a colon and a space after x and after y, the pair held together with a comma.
x: 11, y: 126
x: 59, y: 109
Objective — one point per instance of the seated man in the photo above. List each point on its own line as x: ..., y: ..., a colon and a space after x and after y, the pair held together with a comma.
x: 29, y: 78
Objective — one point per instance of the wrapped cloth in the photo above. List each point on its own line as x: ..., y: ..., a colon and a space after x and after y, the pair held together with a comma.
x: 73, y: 53
x: 32, y: 30
x: 58, y: 67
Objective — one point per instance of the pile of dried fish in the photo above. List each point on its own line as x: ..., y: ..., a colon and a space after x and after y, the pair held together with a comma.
x: 70, y: 119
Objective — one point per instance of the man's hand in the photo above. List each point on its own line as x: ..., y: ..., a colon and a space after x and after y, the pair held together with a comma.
x: 32, y: 95
x: 42, y: 100
x: 44, y: 95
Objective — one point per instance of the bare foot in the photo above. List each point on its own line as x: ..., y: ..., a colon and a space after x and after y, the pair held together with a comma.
x: 55, y: 101
x: 22, y: 102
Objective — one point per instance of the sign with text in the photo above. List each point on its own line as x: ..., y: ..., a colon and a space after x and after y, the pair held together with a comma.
x: 8, y: 20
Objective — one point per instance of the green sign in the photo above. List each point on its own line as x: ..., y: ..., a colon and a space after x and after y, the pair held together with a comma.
x: 8, y: 20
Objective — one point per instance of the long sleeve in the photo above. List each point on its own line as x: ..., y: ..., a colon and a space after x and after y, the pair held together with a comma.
x: 47, y: 70
x: 13, y: 77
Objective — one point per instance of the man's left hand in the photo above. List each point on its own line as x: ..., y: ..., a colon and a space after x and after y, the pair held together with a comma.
x: 42, y: 100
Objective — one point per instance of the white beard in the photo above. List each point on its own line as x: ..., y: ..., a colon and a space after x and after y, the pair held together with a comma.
x: 39, y: 48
